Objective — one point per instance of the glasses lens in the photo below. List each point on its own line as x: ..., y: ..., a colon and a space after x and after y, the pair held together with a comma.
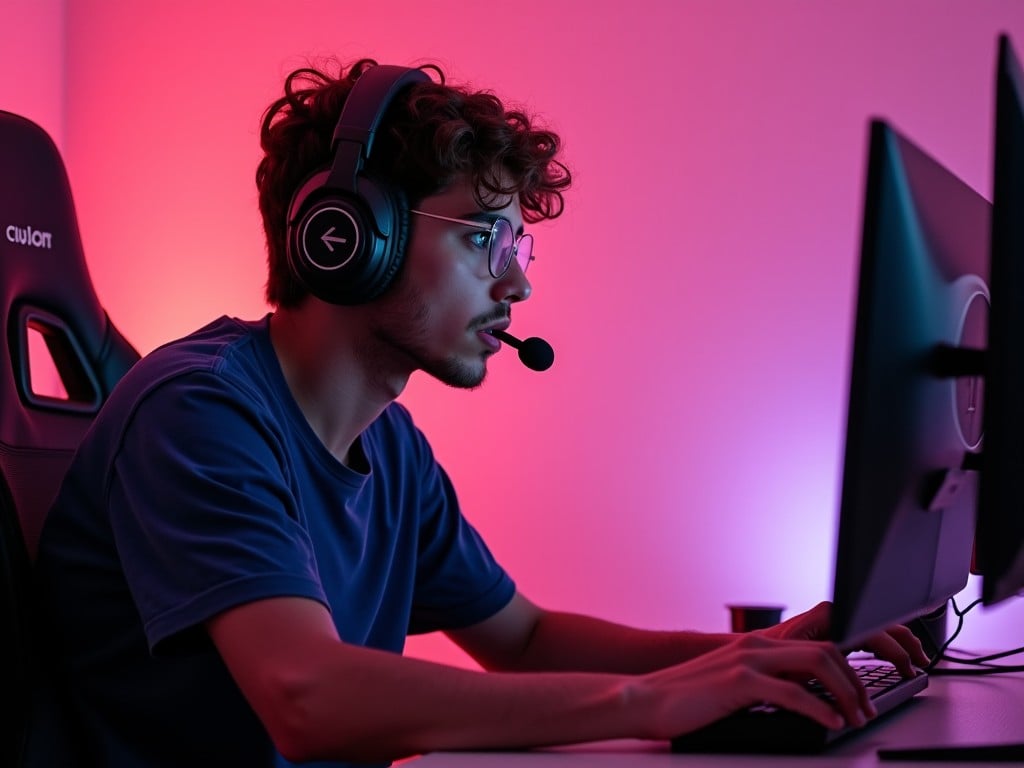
x: 524, y: 251
x: 503, y: 242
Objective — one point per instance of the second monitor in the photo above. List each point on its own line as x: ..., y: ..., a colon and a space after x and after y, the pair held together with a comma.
x: 916, y: 393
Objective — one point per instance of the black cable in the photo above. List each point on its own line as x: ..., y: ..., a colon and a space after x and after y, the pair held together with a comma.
x: 975, y: 671
x: 986, y: 659
x: 940, y: 655
x: 979, y: 665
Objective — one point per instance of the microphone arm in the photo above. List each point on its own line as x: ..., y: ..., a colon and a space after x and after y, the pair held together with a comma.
x: 536, y: 354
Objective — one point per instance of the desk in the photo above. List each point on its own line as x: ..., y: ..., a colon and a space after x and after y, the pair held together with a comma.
x: 951, y: 711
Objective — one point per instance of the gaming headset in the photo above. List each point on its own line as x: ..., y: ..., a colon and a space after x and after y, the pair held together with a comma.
x: 347, y: 230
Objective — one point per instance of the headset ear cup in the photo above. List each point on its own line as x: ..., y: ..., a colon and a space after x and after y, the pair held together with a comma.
x: 347, y: 250
x: 396, y: 246
x: 347, y: 232
x: 314, y: 208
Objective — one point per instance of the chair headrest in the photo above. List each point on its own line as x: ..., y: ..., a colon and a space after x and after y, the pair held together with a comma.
x: 45, y: 284
x: 46, y: 293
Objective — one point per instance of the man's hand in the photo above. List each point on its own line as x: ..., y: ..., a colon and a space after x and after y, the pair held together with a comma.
x: 897, y: 645
x: 754, y: 669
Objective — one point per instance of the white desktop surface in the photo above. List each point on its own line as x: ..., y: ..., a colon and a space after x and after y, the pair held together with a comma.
x: 951, y: 711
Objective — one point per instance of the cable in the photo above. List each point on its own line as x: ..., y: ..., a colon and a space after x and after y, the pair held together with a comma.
x: 940, y: 655
x: 980, y: 665
x: 986, y: 659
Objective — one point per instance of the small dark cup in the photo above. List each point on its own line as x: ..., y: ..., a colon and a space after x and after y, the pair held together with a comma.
x: 745, y: 618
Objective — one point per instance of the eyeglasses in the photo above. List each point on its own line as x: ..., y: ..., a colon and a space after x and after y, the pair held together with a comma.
x: 502, y: 245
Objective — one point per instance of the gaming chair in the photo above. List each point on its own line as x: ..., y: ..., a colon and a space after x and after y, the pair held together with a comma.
x: 50, y: 309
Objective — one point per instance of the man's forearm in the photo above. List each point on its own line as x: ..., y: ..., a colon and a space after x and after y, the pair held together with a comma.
x: 568, y: 641
x: 320, y: 698
x: 381, y: 707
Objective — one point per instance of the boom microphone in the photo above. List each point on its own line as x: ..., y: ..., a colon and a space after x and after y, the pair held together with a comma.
x: 535, y: 353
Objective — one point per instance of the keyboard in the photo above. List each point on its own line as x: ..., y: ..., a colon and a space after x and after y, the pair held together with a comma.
x: 766, y: 729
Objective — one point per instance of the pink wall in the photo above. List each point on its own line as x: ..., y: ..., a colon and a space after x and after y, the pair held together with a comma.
x: 32, y: 62
x: 684, y: 450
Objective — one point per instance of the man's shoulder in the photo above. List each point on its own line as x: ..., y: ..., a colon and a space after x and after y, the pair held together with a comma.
x: 223, y: 354
x: 215, y: 347
x: 206, y: 348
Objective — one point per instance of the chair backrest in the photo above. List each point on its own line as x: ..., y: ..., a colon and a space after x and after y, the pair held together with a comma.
x: 54, y: 326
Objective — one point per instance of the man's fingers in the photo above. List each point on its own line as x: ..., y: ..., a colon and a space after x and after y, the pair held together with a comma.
x: 900, y: 647
x: 792, y: 663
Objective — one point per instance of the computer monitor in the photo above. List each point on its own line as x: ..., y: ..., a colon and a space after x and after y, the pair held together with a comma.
x: 999, y: 538
x: 916, y: 391
x: 1000, y: 534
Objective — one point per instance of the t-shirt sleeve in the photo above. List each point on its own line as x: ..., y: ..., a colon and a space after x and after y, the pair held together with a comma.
x: 458, y: 580
x: 202, y: 508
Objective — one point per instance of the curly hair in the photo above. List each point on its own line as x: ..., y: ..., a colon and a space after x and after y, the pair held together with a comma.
x: 430, y: 136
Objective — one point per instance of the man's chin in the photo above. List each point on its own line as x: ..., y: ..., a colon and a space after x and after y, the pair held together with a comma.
x: 458, y: 373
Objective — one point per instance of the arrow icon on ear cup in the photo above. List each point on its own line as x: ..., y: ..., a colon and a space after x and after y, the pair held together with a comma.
x: 327, y: 239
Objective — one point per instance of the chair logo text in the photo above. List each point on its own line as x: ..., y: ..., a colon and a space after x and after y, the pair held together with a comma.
x: 34, y: 238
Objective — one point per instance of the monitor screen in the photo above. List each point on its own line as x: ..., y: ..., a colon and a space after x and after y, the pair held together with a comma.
x: 908, y: 500
x: 1000, y: 535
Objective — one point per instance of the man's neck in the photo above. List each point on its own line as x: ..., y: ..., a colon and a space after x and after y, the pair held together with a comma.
x: 337, y: 391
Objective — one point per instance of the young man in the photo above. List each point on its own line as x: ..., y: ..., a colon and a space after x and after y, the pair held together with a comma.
x: 253, y: 525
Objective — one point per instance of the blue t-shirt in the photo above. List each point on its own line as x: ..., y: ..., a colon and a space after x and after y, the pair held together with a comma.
x: 200, y: 487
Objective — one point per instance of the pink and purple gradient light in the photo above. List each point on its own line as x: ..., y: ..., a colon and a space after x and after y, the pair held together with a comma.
x: 683, y: 451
